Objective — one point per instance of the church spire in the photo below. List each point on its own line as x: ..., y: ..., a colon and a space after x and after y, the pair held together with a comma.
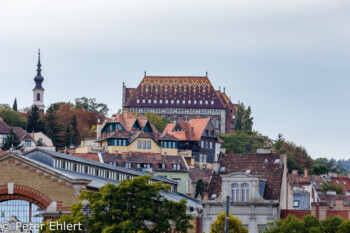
x: 38, y: 78
x: 39, y: 64
x: 38, y: 91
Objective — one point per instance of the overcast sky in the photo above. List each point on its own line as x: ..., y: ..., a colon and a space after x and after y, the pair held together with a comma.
x: 288, y: 60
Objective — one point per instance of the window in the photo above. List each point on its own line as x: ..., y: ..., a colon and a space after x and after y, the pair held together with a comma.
x: 127, y: 165
x: 206, y: 144
x: 160, y: 101
x: 235, y: 192
x: 148, y: 145
x: 174, y: 145
x: 204, y: 158
x: 344, y: 182
x: 200, y: 102
x: 138, y: 144
x: 211, y: 145
x: 162, y: 166
x: 337, y: 182
x: 166, y: 101
x: 206, y: 102
x: 200, y: 158
x: 165, y: 144
x: 212, y: 102
x: 38, y: 97
x: 172, y: 101
x: 184, y: 102
x: 155, y: 101
x: 178, y: 180
x: 295, y: 203
x: 137, y: 101
x: 245, y: 192
x: 189, y: 102
x: 27, y: 143
x: 143, y: 101
x: 202, y: 144
x: 177, y: 101
x: 195, y: 101
x: 143, y: 144
x: 149, y: 101
x: 217, y: 124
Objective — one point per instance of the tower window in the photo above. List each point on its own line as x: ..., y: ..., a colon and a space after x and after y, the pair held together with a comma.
x: 38, y: 97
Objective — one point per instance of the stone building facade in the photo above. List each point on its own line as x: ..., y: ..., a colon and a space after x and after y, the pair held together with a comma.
x: 181, y: 99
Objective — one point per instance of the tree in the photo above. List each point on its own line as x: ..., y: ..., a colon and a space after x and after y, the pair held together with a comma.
x: 56, y: 106
x: 235, y: 225
x: 53, y: 129
x: 12, y: 118
x: 132, y: 206
x: 11, y: 142
x: 75, y: 132
x: 332, y: 187
x: 89, y: 104
x: 239, y: 116
x: 247, y: 122
x: 67, y: 136
x: 319, y: 169
x: 158, y: 121
x: 14, y: 107
x: 33, y: 118
x: 344, y: 227
x: 4, y: 106
x: 92, y: 132
x: 200, y: 188
x: 331, y: 224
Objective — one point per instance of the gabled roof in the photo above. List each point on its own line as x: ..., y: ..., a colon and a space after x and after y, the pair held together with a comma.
x: 263, y: 165
x: 22, y: 134
x: 191, y: 130
x: 343, y: 181
x: 167, y: 137
x: 174, y: 88
x: 4, y: 128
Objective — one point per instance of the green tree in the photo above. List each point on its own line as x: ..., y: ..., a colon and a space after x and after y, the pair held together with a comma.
x: 235, y: 225
x: 12, y: 118
x: 319, y: 169
x: 133, y: 206
x: 239, y: 116
x: 331, y: 224
x: 11, y: 142
x: 331, y: 187
x: 14, y: 107
x: 247, y: 122
x: 53, y: 129
x: 89, y: 104
x: 158, y: 121
x: 4, y: 106
x: 344, y: 227
x: 33, y: 118
x: 75, y: 131
x: 92, y: 130
x: 200, y: 188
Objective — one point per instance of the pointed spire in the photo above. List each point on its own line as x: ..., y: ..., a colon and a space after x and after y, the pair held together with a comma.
x: 39, y: 64
x: 206, y: 74
x: 145, y: 73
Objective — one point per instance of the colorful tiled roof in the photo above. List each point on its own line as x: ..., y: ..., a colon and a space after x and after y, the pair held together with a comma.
x: 158, y: 89
x: 263, y: 165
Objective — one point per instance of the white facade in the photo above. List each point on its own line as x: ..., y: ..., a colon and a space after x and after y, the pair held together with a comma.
x: 38, y: 99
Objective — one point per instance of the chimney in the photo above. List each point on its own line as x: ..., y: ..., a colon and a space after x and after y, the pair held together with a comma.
x: 1, y: 119
x: 205, y: 196
x: 294, y: 172
x: 124, y: 155
x: 98, y: 129
x: 306, y: 173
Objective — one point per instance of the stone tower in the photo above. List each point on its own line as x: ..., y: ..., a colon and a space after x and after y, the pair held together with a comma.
x: 38, y: 91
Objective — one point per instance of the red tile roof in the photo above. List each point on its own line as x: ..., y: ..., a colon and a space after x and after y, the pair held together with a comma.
x: 174, y: 88
x: 343, y: 181
x: 2, y: 152
x: 191, y: 130
x: 272, y: 172
x: 89, y: 156
x: 4, y: 128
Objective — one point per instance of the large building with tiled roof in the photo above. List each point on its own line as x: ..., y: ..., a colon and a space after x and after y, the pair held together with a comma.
x: 197, y: 135
x: 181, y: 98
x: 256, y: 185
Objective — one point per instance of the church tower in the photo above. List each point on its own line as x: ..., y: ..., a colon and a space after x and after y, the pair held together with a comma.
x: 38, y: 91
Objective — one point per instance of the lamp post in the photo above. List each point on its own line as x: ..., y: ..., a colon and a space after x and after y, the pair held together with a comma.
x: 227, y: 225
x: 86, y: 211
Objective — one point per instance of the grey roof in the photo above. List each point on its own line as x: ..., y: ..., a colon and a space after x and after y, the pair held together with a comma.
x: 178, y: 196
x: 97, y: 164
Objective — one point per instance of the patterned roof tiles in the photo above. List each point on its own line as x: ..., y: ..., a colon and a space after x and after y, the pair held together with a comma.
x: 153, y: 91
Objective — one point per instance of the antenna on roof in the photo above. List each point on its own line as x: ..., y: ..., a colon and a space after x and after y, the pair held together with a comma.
x: 224, y: 90
x: 145, y: 73
x: 219, y: 88
x: 206, y: 74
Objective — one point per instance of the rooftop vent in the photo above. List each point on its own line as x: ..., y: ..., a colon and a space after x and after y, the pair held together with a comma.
x: 214, y: 196
x: 248, y: 171
x: 277, y: 161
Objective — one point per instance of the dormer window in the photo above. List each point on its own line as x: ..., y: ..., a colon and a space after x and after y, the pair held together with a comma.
x: 235, y: 192
x: 137, y: 101
x: 149, y: 101
x: 245, y: 192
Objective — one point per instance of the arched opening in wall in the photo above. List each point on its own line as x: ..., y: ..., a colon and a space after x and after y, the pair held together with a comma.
x: 23, y: 210
x: 38, y: 97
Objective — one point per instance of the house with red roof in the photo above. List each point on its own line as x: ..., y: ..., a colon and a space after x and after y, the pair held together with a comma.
x: 181, y: 98
x: 199, y: 136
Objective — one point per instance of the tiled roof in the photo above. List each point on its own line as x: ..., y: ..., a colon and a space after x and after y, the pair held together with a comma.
x: 330, y: 198
x: 316, y: 180
x: 142, y: 134
x: 167, y: 137
x: 89, y: 156
x: 174, y: 88
x: 4, y: 128
x: 343, y: 181
x: 2, y: 152
x: 117, y: 134
x: 147, y: 158
x: 22, y: 134
x: 191, y: 130
x: 272, y: 172
x: 201, y: 173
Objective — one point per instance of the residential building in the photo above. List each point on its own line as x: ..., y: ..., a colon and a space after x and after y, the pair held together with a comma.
x: 181, y: 99
x: 126, y: 132
x: 256, y: 185
x: 38, y: 91
x: 168, y: 166
x: 199, y: 136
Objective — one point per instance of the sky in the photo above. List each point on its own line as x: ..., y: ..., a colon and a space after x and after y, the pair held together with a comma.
x: 288, y: 60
